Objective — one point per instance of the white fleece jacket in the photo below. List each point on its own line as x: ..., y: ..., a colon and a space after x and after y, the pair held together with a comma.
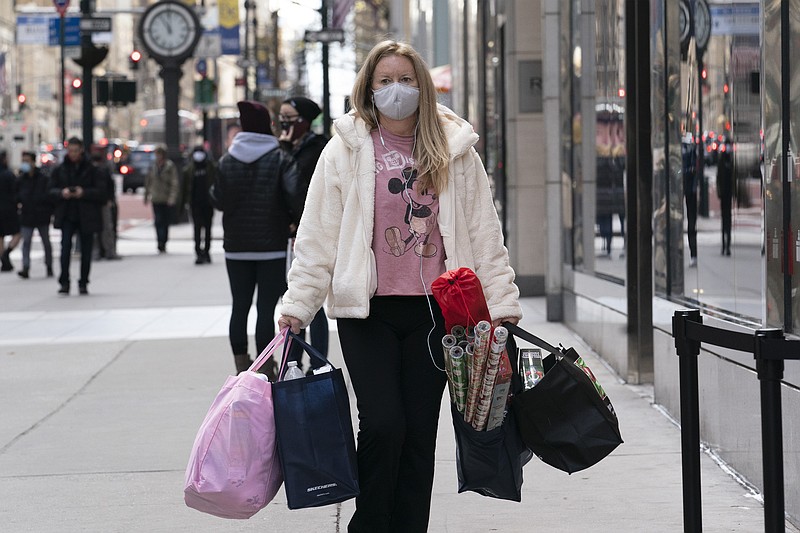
x: 333, y: 249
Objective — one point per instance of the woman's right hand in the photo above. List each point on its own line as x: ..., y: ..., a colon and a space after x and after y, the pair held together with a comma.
x: 290, y: 322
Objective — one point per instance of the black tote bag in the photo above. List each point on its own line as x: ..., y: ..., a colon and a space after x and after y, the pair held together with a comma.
x: 314, y: 431
x: 490, y: 462
x: 563, y: 419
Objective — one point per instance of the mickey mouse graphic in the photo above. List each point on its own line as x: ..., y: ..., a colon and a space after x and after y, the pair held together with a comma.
x: 419, y: 216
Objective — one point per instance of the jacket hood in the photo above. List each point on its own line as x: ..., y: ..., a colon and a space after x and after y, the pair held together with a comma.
x: 248, y: 146
x: 460, y: 135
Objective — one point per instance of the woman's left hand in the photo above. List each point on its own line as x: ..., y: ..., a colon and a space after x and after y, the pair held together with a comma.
x: 499, y: 321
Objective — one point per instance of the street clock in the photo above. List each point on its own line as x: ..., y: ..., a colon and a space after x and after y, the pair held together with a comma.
x: 169, y: 31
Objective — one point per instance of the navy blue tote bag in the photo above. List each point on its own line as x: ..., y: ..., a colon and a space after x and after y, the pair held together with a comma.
x: 314, y: 431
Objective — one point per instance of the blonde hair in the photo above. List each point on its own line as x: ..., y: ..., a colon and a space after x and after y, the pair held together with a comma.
x: 431, y: 152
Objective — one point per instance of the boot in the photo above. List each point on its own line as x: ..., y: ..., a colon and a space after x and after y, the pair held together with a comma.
x: 242, y: 362
x: 23, y: 273
x: 5, y: 261
x: 50, y: 272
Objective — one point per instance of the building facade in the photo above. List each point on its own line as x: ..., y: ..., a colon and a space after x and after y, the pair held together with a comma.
x: 638, y: 152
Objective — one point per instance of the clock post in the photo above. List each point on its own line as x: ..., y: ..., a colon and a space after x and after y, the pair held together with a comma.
x: 169, y: 31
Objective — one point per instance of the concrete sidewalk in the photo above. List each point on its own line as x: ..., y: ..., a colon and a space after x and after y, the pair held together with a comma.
x: 102, y: 397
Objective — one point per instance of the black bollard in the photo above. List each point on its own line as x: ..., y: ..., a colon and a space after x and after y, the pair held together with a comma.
x: 688, y: 350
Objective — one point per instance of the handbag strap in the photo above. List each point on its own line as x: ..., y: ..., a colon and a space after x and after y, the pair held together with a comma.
x: 531, y: 338
x: 280, y: 338
x: 310, y: 350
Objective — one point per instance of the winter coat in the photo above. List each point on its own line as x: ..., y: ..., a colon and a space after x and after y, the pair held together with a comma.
x: 333, y: 251
x: 195, y: 191
x: 8, y: 192
x: 161, y: 185
x: 307, y: 154
x: 32, y: 194
x: 86, y: 209
x: 259, y: 193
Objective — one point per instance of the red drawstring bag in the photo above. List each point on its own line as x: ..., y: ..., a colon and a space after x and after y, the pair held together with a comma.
x: 460, y: 295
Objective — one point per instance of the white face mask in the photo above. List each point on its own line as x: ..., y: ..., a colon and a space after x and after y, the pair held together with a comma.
x: 199, y: 156
x: 397, y: 100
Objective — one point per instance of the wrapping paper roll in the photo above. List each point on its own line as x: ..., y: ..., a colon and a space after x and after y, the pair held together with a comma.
x: 497, y: 346
x: 478, y: 364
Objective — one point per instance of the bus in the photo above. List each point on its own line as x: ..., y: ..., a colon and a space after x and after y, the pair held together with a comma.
x: 152, y: 128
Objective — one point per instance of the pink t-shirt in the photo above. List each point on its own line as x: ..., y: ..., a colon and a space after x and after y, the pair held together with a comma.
x: 406, y: 236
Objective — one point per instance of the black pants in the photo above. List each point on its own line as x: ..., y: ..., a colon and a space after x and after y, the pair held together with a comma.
x: 162, y: 213
x: 202, y: 217
x: 726, y: 206
x: 399, y: 393
x: 244, y: 277
x: 690, y: 196
x: 85, y: 240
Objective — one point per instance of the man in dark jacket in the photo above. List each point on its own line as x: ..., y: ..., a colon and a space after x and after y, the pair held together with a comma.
x: 198, y: 177
x: 260, y: 196
x: 78, y: 193
x: 296, y: 115
x: 725, y: 193
x: 35, y: 212
x: 9, y: 219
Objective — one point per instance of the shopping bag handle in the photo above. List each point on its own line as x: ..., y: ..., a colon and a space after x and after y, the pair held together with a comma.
x: 310, y: 350
x: 531, y: 338
x: 280, y: 338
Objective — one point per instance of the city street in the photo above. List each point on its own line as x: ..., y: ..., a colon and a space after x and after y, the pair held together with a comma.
x: 102, y: 396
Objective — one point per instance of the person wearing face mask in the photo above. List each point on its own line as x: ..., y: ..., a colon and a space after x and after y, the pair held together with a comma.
x: 398, y: 197
x: 198, y: 177
x: 296, y: 115
x: 36, y: 210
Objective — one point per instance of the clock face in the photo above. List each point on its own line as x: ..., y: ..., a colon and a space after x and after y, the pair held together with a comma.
x: 169, y: 30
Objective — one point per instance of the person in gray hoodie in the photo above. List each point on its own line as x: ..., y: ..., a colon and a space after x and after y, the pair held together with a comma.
x: 260, y: 195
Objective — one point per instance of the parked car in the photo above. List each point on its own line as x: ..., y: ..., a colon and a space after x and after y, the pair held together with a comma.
x: 135, y: 168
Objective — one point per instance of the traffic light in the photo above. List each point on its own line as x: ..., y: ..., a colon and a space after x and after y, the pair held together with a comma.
x: 21, y: 98
x: 134, y: 59
x: 77, y: 86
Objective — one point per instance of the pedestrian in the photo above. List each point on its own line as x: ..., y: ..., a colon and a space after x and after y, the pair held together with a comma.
x: 36, y: 210
x: 259, y: 193
x: 689, y: 168
x: 399, y: 196
x: 161, y: 187
x: 198, y: 177
x: 108, y: 236
x: 9, y: 217
x: 725, y: 193
x: 296, y: 115
x: 78, y: 192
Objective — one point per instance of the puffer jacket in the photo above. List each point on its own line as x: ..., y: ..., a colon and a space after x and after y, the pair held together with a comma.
x: 333, y: 250
x: 259, y: 193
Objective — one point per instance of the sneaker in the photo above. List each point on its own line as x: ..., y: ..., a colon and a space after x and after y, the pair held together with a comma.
x: 693, y: 262
x: 64, y: 288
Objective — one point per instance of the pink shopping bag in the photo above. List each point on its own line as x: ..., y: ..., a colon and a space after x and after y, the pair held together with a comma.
x: 233, y: 469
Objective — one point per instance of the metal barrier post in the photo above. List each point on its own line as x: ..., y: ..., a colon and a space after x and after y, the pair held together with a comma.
x: 688, y: 350
x: 770, y: 374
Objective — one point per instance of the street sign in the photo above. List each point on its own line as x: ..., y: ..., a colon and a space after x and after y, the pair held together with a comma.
x: 95, y: 24
x: 72, y: 32
x: 327, y: 35
x: 61, y: 6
